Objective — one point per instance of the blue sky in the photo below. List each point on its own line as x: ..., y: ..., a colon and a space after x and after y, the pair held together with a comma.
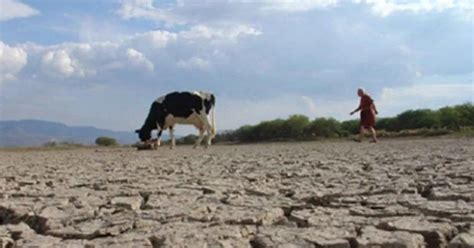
x: 102, y: 63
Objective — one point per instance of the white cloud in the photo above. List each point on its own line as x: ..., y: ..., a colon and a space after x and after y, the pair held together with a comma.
x: 12, y: 60
x: 15, y: 9
x: 131, y: 9
x: 135, y: 8
x: 194, y: 63
x: 68, y: 60
x: 159, y: 39
x: 295, y: 6
x: 135, y: 52
x: 188, y: 12
x: 228, y: 33
x: 156, y: 39
x: 381, y: 8
x: 387, y: 7
x: 59, y: 62
x: 139, y: 60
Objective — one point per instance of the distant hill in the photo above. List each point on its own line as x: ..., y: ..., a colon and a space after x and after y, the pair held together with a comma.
x: 38, y: 132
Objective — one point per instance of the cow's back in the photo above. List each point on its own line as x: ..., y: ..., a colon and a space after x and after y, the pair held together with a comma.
x: 182, y: 104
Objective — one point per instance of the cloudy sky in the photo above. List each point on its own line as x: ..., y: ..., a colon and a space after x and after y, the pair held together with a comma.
x: 102, y: 63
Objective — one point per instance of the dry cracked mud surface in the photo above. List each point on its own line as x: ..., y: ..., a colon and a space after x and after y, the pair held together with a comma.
x: 398, y: 193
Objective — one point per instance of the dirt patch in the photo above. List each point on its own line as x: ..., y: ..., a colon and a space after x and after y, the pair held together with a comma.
x: 403, y: 193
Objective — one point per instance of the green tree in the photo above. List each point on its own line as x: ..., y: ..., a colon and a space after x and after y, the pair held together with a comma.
x: 388, y: 124
x: 415, y: 119
x: 245, y: 133
x: 466, y: 114
x: 188, y: 139
x: 449, y: 118
x: 350, y: 127
x: 325, y: 127
x: 269, y: 130
x: 294, y: 126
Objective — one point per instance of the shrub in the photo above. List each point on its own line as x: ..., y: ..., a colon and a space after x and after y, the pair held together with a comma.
x: 421, y: 122
x: 269, y: 130
x: 225, y: 136
x: 389, y: 124
x: 416, y: 119
x: 324, y: 127
x: 187, y: 140
x: 466, y: 114
x: 245, y: 133
x: 51, y: 143
x: 294, y: 126
x: 105, y: 141
x: 350, y: 127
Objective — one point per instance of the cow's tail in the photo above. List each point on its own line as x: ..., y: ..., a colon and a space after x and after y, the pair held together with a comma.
x: 214, y: 129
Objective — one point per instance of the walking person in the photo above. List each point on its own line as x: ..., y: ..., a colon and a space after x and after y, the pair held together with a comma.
x: 367, y: 114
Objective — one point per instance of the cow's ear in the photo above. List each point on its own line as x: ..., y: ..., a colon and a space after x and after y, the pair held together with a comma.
x: 137, y: 131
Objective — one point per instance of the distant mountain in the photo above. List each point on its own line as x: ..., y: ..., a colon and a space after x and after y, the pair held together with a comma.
x: 37, y: 132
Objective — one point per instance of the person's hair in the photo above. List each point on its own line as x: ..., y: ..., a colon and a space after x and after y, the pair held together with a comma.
x: 361, y: 89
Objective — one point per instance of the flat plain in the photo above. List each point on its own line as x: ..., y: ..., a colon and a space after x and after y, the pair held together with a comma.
x: 397, y: 193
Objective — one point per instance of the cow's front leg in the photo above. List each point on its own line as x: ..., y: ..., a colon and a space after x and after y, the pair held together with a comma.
x: 173, y: 141
x: 201, y: 136
x: 158, y: 140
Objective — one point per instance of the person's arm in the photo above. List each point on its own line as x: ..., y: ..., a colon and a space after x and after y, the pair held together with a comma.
x: 375, y: 109
x: 356, y: 110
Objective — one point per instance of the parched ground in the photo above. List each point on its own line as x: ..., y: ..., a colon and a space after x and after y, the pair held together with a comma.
x: 398, y: 193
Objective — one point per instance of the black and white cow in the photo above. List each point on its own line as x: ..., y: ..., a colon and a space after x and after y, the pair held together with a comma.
x: 190, y: 108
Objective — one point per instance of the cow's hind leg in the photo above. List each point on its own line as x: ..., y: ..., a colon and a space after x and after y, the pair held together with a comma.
x: 173, y: 141
x: 201, y: 136
x: 210, y: 134
x: 208, y: 138
x: 206, y: 125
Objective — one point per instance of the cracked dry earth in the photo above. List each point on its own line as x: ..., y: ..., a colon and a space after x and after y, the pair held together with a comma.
x: 398, y: 193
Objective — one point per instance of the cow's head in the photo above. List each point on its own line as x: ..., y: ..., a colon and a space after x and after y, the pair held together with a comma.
x: 143, y: 134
